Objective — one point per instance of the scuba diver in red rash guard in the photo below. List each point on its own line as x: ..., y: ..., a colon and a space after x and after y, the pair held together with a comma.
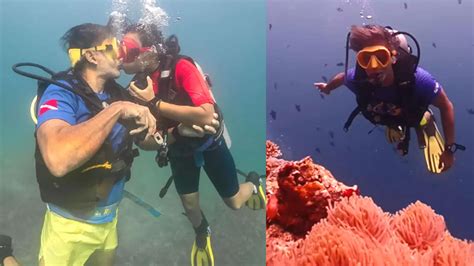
x: 176, y: 91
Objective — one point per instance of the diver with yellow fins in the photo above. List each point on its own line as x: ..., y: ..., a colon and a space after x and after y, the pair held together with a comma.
x: 176, y: 90
x: 391, y: 90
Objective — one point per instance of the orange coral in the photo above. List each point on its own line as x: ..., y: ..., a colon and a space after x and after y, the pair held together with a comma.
x: 361, y: 215
x: 419, y: 226
x: 452, y: 251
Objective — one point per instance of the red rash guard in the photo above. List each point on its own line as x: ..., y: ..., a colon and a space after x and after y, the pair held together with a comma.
x: 189, y: 79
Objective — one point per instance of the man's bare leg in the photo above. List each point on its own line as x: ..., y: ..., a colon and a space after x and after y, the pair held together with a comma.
x: 238, y: 200
x: 105, y: 257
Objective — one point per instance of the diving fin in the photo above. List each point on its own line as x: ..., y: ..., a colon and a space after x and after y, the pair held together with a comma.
x: 258, y: 199
x: 201, y: 253
x: 433, y: 146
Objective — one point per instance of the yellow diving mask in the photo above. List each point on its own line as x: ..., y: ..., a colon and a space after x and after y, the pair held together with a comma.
x: 109, y: 46
x: 374, y: 56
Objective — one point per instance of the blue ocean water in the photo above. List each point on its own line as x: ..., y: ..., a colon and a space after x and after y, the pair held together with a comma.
x: 227, y: 40
x: 306, y: 41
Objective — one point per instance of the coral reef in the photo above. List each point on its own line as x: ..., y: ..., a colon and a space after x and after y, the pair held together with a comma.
x: 313, y: 219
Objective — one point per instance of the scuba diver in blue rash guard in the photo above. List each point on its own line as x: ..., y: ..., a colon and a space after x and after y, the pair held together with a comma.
x: 391, y: 90
x: 84, y: 151
x: 177, y: 91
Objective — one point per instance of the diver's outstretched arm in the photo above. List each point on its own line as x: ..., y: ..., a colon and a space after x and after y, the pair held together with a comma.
x: 446, y: 108
x: 334, y: 83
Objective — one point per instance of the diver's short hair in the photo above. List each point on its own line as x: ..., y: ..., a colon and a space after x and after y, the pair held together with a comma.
x: 369, y: 35
x: 149, y: 34
x: 86, y: 35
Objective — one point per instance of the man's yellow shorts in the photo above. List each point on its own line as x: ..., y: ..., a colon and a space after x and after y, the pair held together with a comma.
x: 69, y: 242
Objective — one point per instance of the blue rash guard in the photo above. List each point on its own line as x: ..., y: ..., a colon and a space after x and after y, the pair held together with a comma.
x: 426, y: 88
x: 59, y: 103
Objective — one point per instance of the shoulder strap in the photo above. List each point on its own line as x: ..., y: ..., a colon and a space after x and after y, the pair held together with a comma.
x: 168, y: 90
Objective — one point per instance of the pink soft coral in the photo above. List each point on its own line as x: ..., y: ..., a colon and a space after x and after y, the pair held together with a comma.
x: 345, y: 229
x: 419, y: 226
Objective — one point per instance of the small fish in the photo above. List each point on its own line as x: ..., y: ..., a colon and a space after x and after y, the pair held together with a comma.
x: 405, y: 5
x: 434, y: 45
x: 332, y: 144
x: 331, y: 134
x: 273, y: 114
x: 470, y: 111
x: 288, y: 46
x: 325, y: 65
x: 339, y: 9
x: 368, y: 17
x: 324, y: 78
x: 275, y: 85
x: 178, y: 18
x: 459, y: 1
x: 270, y: 26
x: 340, y: 64
x: 318, y: 128
x: 298, y: 107
x: 317, y: 150
x: 321, y: 95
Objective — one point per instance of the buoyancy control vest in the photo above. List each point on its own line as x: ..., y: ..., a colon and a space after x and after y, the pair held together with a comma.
x: 168, y: 92
x: 412, y: 108
x: 77, y: 189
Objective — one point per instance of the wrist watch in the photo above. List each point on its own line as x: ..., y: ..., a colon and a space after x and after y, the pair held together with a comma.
x: 154, y: 109
x: 453, y: 147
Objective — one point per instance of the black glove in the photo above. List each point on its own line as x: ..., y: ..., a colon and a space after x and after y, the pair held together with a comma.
x: 5, y: 247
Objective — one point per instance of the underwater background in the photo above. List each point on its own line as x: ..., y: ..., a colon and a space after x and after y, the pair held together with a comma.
x: 306, y: 41
x: 228, y: 41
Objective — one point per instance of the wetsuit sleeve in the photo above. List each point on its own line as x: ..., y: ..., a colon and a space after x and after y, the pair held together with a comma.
x: 349, y: 80
x: 57, y: 103
x: 190, y: 79
x: 426, y: 87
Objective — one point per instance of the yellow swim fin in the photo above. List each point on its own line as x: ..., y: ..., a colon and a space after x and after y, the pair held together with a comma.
x: 201, y: 253
x: 434, y: 146
x: 258, y: 200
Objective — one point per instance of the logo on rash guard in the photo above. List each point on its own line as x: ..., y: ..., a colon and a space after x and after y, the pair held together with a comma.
x: 436, y: 87
x: 48, y: 105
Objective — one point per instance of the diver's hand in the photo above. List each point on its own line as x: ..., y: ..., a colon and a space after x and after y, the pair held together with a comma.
x: 197, y: 131
x: 141, y: 115
x: 190, y: 131
x: 446, y: 160
x: 146, y: 94
x: 322, y: 87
